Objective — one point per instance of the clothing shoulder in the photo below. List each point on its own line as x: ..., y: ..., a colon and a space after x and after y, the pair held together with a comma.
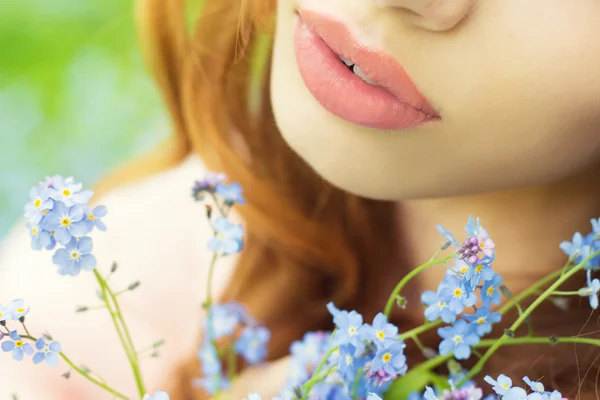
x: 157, y: 235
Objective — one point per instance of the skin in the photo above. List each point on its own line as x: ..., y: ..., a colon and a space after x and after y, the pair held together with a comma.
x: 516, y: 85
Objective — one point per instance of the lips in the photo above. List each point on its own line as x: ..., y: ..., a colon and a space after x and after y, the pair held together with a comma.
x: 390, y: 101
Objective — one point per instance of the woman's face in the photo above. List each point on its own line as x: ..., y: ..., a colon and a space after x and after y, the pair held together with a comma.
x: 515, y: 85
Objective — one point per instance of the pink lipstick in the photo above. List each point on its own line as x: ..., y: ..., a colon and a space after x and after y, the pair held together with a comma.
x: 368, y: 87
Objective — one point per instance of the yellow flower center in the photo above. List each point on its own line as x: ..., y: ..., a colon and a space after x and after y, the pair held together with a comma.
x: 441, y: 304
x: 37, y: 203
x: 349, y: 359
x: 380, y: 335
x: 386, y: 357
x: 352, y: 331
x: 457, y: 339
x: 34, y: 231
x: 52, y: 233
x: 464, y: 270
x: 91, y: 217
x: 44, y: 212
x: 505, y: 386
x: 1, y: 315
x: 18, y: 343
x: 66, y: 222
x: 74, y: 255
x: 481, y: 244
x: 478, y: 268
x: 66, y: 192
x: 490, y: 291
x: 20, y: 310
x: 481, y: 320
x: 458, y: 292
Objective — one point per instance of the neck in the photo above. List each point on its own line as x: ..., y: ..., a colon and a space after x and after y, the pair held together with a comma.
x: 527, y: 226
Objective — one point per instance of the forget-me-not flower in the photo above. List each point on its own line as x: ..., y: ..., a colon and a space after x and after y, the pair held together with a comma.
x: 500, y: 385
x: 380, y: 332
x: 391, y: 360
x: 75, y: 257
x: 437, y: 307
x: 591, y: 290
x: 66, y: 223
x: 39, y: 237
x: 252, y: 344
x: 450, y: 239
x: 17, y: 309
x: 209, y: 360
x: 5, y: 314
x: 39, y: 205
x: 535, y: 386
x: 232, y: 193
x: 48, y: 352
x: 483, y: 319
x: 348, y: 325
x: 92, y: 218
x: 17, y: 346
x: 228, y: 238
x: 490, y: 292
x: 457, y: 339
x: 456, y: 294
x: 69, y: 192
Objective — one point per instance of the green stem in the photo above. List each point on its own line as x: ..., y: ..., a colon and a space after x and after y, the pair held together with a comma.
x: 356, y: 382
x: 308, y: 385
x: 232, y: 364
x: 90, y: 378
x: 407, y: 278
x: 542, y: 340
x: 503, y: 339
x: 122, y: 332
x: 208, y: 301
x: 559, y: 293
x: 324, y: 360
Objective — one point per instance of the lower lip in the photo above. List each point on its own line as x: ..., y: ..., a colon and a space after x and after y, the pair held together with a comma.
x: 346, y: 95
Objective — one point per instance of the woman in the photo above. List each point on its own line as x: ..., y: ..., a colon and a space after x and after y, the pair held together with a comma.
x: 488, y: 108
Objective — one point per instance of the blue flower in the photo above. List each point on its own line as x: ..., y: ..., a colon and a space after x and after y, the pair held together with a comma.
x: 75, y: 257
x: 68, y: 192
x: 515, y: 393
x: 429, y: 394
x: 449, y: 236
x: 48, y: 352
x: 310, y: 350
x: 5, y: 314
x: 157, y: 396
x: 17, y: 309
x: 390, y: 360
x: 252, y: 344
x: 66, y: 222
x: 437, y: 307
x: 347, y: 362
x: 348, y: 325
x: 500, y: 385
x: 209, y: 360
x: 228, y: 237
x: 478, y: 272
x: 92, y: 218
x: 39, y: 237
x: 212, y: 384
x: 381, y: 332
x: 535, y: 386
x: 17, y: 346
x: 592, y: 289
x: 458, y: 339
x: 209, y: 181
x: 459, y: 269
x: 231, y: 193
x: 454, y: 292
x: 574, y: 249
x: 39, y: 205
x: 483, y: 319
x: 490, y: 292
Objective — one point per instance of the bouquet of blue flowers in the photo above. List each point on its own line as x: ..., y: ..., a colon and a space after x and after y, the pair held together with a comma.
x: 358, y: 359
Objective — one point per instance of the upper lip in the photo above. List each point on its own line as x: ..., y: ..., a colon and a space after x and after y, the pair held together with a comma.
x: 380, y: 66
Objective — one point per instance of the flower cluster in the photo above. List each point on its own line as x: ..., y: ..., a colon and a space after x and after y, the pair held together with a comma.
x: 578, y: 250
x: 15, y: 344
x: 58, y: 213
x: 505, y: 390
x: 238, y: 334
x: 469, y: 282
x: 357, y: 359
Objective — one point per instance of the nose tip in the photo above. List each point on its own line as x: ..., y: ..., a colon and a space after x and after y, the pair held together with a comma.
x: 435, y: 15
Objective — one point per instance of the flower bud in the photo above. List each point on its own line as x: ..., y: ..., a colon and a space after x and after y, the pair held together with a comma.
x: 81, y: 309
x: 133, y: 286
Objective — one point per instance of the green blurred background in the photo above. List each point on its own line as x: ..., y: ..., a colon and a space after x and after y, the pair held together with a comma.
x: 75, y: 97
